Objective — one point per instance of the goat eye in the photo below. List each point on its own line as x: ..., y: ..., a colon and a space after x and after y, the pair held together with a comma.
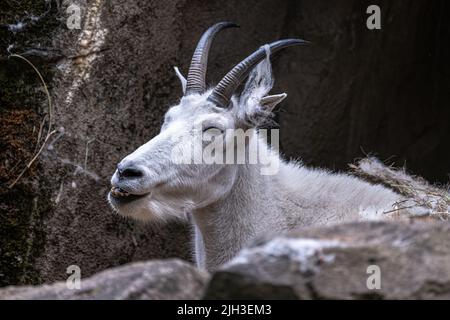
x: 212, y: 130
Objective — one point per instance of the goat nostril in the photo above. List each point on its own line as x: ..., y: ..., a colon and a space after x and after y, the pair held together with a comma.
x: 120, y: 168
x: 131, y: 173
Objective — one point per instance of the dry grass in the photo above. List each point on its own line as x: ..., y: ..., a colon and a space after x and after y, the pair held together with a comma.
x: 415, y: 189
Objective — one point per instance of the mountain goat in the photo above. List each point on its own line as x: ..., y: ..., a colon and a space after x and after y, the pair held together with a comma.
x: 232, y: 203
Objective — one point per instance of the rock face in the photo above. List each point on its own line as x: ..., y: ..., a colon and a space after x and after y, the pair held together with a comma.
x: 370, y: 260
x: 342, y: 262
x: 112, y: 80
x: 161, y: 280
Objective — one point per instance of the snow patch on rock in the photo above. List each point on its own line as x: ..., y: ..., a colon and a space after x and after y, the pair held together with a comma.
x: 306, y: 252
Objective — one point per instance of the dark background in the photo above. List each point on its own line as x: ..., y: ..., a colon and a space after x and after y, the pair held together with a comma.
x: 353, y: 91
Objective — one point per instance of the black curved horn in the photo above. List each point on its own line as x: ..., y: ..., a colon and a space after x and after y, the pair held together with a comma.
x: 223, y: 91
x: 197, y: 71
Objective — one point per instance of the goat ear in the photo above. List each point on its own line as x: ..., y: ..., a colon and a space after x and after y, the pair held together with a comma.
x: 268, y: 103
x: 182, y: 79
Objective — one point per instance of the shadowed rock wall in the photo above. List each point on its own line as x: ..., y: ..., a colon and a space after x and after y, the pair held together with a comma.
x: 355, y: 90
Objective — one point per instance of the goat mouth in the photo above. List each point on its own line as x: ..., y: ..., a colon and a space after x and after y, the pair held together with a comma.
x: 118, y: 192
x: 123, y: 196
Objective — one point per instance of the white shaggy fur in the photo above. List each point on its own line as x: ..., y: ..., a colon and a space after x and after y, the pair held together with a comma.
x: 233, y: 204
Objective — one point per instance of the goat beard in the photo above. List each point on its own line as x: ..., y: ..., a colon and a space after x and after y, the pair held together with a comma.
x: 152, y: 209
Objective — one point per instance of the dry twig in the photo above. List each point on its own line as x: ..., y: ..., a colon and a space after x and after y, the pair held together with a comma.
x: 50, y: 132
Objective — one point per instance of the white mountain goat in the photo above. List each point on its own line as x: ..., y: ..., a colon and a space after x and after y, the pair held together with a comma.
x: 232, y: 204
